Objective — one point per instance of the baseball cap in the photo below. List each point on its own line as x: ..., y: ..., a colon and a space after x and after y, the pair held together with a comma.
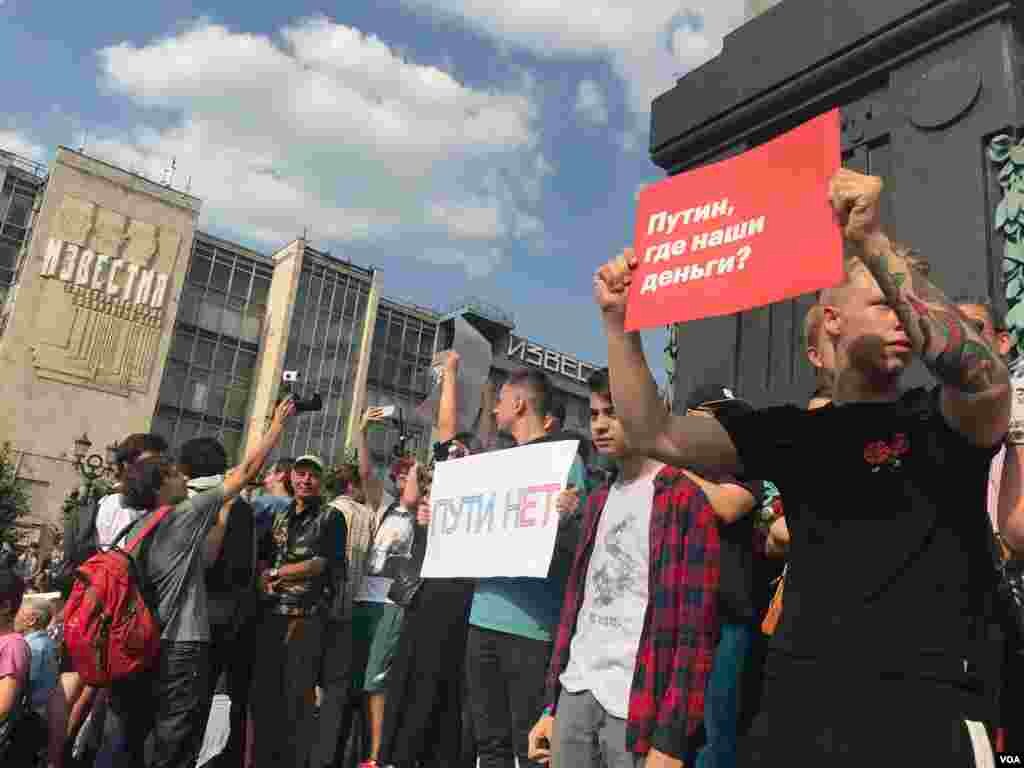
x: 309, y: 458
x: 715, y: 397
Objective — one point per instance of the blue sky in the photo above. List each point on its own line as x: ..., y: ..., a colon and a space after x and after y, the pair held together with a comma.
x: 465, y: 147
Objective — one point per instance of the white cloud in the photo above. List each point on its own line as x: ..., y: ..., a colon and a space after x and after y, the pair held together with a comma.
x: 332, y: 128
x: 480, y: 265
x: 15, y: 142
x: 591, y: 105
x: 648, y: 44
x: 633, y: 138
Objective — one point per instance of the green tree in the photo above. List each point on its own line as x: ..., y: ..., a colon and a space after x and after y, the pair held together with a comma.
x: 14, y: 496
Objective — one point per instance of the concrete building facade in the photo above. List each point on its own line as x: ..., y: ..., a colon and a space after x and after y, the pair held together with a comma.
x: 121, y: 317
x: 88, y: 318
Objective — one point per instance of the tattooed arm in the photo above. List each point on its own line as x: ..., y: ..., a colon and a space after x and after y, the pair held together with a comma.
x: 975, y: 381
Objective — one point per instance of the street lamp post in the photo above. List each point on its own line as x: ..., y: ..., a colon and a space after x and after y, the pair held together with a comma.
x: 93, y: 466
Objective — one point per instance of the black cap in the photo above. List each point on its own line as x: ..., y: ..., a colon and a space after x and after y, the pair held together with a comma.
x: 715, y: 397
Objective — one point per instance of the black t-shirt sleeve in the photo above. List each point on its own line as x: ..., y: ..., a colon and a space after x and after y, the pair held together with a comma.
x: 441, y: 450
x: 951, y: 446
x: 766, y: 440
x: 265, y: 546
x: 331, y: 543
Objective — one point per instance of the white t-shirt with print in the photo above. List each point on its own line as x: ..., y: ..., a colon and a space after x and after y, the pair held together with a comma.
x: 392, y: 542
x: 602, y: 655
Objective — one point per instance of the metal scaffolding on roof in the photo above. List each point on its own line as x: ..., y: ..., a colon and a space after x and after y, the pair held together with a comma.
x: 24, y: 164
x: 484, y: 309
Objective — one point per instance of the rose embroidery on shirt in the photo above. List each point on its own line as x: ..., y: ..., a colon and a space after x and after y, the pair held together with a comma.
x: 887, y: 454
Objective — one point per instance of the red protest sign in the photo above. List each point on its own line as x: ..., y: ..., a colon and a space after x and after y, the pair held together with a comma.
x: 742, y: 233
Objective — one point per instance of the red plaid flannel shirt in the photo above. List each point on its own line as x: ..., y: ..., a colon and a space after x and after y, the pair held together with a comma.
x: 677, y: 646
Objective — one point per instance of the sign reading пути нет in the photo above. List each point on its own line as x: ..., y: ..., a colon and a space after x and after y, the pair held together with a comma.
x: 115, y: 277
x: 548, y: 359
x: 493, y: 514
x: 746, y: 232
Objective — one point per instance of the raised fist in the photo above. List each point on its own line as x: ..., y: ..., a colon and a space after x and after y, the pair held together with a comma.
x: 855, y: 197
x: 568, y: 501
x: 611, y: 284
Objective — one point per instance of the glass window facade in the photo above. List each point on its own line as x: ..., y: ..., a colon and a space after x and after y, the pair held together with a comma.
x: 212, y: 361
x: 399, y: 372
x: 17, y: 199
x: 323, y: 347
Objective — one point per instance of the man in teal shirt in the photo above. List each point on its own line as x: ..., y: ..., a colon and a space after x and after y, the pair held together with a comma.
x: 512, y: 620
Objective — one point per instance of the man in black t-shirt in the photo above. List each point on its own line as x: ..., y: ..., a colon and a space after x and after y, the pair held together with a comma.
x: 733, y: 501
x: 876, y: 656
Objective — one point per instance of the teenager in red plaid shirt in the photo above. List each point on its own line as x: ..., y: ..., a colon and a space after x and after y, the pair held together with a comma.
x: 638, y: 626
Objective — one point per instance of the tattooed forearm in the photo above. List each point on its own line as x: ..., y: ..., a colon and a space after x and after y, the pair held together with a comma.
x: 947, y: 343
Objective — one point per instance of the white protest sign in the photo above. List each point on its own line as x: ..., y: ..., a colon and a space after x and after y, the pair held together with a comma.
x: 494, y: 514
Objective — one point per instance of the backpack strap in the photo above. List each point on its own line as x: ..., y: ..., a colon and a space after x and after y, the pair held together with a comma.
x: 122, y: 533
x: 152, y: 523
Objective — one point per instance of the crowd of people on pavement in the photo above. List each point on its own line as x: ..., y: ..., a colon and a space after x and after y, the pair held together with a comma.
x: 730, y: 585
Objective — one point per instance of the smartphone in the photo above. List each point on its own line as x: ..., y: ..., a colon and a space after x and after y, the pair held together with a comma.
x: 387, y: 412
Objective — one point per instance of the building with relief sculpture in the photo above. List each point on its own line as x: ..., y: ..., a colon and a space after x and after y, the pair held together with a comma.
x: 88, y: 314
x: 119, y: 316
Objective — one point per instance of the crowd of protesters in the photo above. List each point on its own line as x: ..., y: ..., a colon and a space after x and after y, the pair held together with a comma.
x: 730, y: 586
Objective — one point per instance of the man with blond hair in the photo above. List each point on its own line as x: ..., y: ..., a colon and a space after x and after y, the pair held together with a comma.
x: 876, y: 659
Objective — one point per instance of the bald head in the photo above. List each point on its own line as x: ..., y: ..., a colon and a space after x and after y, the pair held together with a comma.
x: 839, y: 295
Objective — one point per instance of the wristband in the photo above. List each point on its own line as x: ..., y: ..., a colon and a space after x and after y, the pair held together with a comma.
x: 546, y: 712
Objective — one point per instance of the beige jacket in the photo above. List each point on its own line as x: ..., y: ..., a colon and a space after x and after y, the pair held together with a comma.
x: 361, y: 524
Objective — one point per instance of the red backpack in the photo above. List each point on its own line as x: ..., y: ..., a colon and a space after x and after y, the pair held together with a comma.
x: 110, y: 632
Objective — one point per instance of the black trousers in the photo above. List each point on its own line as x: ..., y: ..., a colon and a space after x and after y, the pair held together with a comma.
x: 231, y: 655
x: 288, y: 658
x: 169, y: 702
x: 423, y: 711
x: 1011, y: 709
x: 506, y: 675
x: 850, y: 715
